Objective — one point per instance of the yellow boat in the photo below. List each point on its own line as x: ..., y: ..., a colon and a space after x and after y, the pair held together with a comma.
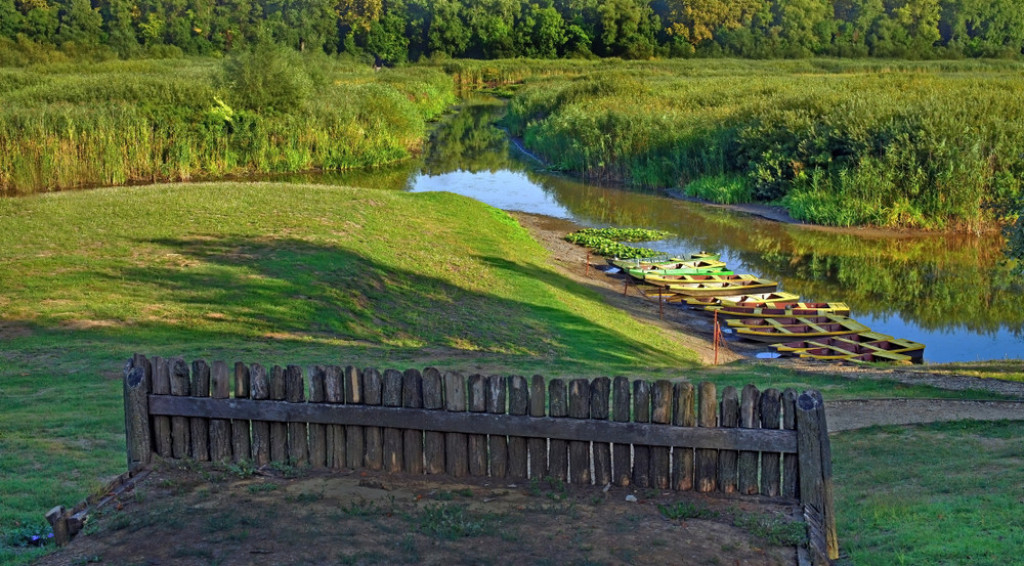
x: 788, y: 329
x: 717, y: 288
x: 762, y: 310
x: 760, y: 299
x: 854, y: 344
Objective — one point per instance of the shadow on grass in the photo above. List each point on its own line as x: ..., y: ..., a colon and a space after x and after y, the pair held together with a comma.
x: 296, y: 290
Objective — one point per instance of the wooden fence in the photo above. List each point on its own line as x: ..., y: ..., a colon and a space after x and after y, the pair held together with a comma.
x: 661, y: 434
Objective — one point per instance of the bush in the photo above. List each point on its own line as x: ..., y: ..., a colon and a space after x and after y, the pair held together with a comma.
x: 268, y: 78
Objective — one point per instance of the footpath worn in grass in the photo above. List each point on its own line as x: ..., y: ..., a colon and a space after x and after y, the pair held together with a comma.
x: 304, y: 274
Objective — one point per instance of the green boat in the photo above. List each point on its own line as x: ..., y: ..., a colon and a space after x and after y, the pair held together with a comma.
x: 694, y: 267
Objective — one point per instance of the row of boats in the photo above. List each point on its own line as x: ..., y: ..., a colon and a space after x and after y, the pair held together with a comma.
x: 755, y: 310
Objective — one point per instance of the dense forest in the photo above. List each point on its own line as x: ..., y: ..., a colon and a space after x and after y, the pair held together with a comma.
x: 394, y: 31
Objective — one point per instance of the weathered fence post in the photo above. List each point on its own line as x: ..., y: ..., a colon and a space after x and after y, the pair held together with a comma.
x: 241, y: 444
x: 366, y: 443
x: 476, y: 388
x: 334, y: 392
x: 136, y: 412
x: 641, y: 414
x: 622, y: 470
x: 790, y: 468
x: 771, y: 411
x: 683, y: 414
x: 392, y: 397
x: 180, y: 441
x: 728, y: 417
x: 298, y: 439
x: 579, y: 451
x: 220, y: 429
x: 814, y: 455
x: 558, y: 455
x: 161, y: 385
x: 433, y: 441
x: 497, y: 444
x: 706, y: 465
x: 661, y: 413
x: 318, y: 432
x: 260, y: 391
x: 412, y: 439
x: 518, y: 404
x: 456, y: 444
x: 600, y: 389
x: 199, y: 426
x: 750, y: 417
x: 278, y: 430
x: 538, y: 447
x: 355, y: 450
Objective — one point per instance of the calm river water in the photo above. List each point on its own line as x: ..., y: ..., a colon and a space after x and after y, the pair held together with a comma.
x: 949, y: 292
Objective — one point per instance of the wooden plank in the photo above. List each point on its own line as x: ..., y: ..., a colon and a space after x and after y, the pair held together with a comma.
x: 433, y: 441
x: 579, y: 450
x: 557, y: 428
x: 600, y: 410
x: 334, y: 392
x: 750, y: 417
x: 355, y: 450
x: 199, y: 427
x: 260, y: 428
x: 518, y: 404
x: 497, y: 444
x: 318, y: 431
x: 298, y: 439
x: 661, y: 413
x: 790, y: 463
x: 771, y: 470
x: 706, y: 459
x: 622, y: 455
x: 241, y: 441
x: 220, y: 429
x: 538, y: 446
x: 138, y: 438
x: 278, y: 429
x: 558, y: 408
x: 815, y: 476
x: 392, y: 397
x: 456, y: 444
x: 476, y: 389
x: 412, y: 438
x: 729, y: 417
x: 180, y: 441
x: 161, y: 424
x: 641, y: 452
x: 684, y: 414
x: 371, y: 438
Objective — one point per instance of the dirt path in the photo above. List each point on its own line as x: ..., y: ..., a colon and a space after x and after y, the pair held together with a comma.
x: 694, y: 332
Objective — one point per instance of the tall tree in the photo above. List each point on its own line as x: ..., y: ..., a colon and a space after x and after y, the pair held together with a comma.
x: 697, y: 21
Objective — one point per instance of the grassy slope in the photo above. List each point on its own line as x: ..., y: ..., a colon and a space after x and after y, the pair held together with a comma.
x: 294, y: 274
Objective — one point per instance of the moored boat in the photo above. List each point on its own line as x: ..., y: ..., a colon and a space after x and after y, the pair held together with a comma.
x: 781, y: 310
x: 788, y: 329
x: 624, y: 264
x: 712, y: 288
x: 861, y: 343
x: 759, y: 299
x: 695, y: 267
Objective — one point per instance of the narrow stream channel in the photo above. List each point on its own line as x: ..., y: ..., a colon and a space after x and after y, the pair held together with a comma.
x: 950, y: 292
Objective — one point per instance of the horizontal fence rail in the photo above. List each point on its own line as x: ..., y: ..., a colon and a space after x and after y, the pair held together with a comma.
x: 660, y: 434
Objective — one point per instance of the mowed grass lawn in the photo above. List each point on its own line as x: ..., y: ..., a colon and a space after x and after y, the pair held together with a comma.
x: 304, y: 274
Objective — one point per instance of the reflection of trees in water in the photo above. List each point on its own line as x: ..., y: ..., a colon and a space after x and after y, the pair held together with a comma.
x: 468, y: 141
x: 935, y: 281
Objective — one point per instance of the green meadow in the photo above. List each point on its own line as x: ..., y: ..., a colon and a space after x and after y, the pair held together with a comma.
x: 305, y: 274
x: 933, y: 145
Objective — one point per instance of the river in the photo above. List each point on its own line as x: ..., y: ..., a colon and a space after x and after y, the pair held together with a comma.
x: 951, y: 292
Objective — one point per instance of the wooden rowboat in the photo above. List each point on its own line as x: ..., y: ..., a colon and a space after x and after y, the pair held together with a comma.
x: 625, y: 264
x: 855, y: 344
x: 696, y: 267
x: 788, y: 329
x: 781, y: 310
x: 713, y: 288
x: 758, y: 299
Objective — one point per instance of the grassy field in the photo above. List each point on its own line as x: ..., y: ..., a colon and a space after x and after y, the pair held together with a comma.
x: 304, y: 274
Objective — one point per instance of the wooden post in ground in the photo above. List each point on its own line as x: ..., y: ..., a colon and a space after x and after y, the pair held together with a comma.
x: 136, y: 413
x: 815, y: 464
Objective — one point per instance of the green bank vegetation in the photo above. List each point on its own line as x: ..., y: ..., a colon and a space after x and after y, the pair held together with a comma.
x: 308, y: 274
x: 267, y: 110
x: 930, y: 145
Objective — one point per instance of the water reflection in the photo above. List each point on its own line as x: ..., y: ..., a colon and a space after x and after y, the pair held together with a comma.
x: 949, y: 292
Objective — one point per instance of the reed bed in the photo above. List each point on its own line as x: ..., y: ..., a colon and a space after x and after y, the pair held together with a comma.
x: 933, y: 145
x: 118, y: 122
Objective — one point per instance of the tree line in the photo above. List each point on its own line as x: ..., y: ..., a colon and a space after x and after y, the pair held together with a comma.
x: 395, y: 31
